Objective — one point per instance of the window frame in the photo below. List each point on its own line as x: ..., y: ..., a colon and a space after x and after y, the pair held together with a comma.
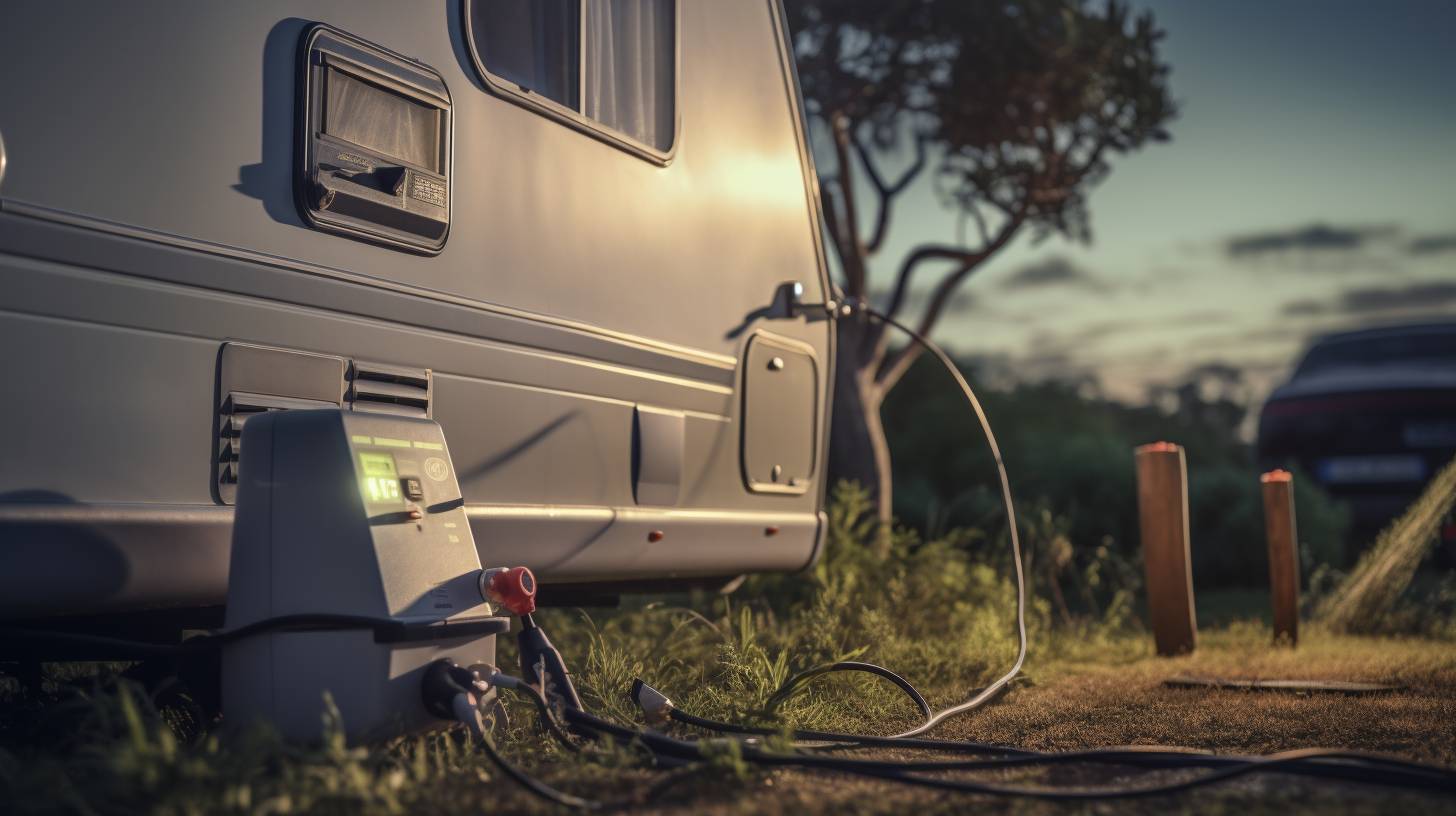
x: 574, y: 119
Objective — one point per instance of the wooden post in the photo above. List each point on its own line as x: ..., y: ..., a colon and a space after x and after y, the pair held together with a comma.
x: 1163, y: 509
x: 1279, y: 530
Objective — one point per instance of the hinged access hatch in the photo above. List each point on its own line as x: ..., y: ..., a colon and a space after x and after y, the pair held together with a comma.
x: 374, y: 143
x: 780, y: 420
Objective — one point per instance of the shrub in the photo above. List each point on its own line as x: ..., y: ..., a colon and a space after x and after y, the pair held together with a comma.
x: 1073, y: 453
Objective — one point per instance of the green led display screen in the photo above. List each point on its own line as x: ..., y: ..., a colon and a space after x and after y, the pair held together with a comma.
x: 379, y: 479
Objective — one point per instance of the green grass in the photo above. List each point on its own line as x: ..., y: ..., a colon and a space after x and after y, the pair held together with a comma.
x: 940, y: 612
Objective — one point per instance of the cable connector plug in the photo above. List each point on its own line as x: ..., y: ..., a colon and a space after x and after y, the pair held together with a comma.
x: 543, y: 667
x: 496, y: 677
x: 656, y: 707
x: 848, y: 307
x: 445, y: 680
x: 513, y: 588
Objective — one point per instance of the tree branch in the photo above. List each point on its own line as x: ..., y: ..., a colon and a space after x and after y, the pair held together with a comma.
x: 974, y: 211
x: 830, y: 208
x: 892, y: 369
x: 927, y: 252
x: 888, y: 191
x: 854, y: 256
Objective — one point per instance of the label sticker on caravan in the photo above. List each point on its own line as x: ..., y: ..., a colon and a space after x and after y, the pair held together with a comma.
x: 359, y: 161
x: 426, y: 189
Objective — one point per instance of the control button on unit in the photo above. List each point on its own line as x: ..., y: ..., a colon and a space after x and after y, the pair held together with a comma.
x: 414, y: 489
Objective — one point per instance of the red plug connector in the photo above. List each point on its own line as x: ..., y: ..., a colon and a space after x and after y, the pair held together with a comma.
x: 513, y: 588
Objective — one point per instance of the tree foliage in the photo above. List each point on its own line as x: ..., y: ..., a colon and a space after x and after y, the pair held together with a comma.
x: 1013, y: 109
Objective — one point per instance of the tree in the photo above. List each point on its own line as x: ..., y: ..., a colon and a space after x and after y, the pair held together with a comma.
x: 1214, y: 394
x: 1013, y: 108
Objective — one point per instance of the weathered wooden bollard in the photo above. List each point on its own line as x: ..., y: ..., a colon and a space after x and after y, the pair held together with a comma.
x: 1162, y: 476
x: 1279, y: 531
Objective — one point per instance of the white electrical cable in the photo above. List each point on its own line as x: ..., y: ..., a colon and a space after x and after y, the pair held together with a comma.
x: 995, y: 688
x: 933, y: 718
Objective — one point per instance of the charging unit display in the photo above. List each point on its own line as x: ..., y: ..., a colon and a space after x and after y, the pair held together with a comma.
x: 352, y: 554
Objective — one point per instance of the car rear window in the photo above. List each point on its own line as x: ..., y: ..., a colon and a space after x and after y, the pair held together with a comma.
x: 1422, y: 348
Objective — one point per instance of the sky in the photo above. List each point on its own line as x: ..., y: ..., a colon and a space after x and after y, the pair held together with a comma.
x: 1310, y: 186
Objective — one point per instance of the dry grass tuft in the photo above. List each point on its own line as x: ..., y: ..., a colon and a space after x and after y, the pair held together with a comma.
x: 1386, y: 571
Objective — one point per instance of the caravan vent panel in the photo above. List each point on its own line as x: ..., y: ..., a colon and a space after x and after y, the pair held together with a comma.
x: 236, y: 409
x: 386, y: 389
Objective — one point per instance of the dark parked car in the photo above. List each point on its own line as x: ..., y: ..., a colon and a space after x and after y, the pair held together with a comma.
x: 1370, y: 415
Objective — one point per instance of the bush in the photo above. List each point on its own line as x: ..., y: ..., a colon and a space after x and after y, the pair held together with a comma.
x: 935, y: 609
x: 1073, y: 453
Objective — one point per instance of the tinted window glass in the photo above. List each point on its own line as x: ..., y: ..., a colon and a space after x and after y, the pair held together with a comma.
x: 617, y: 66
x: 1423, y: 348
x: 631, y: 61
x: 535, y: 44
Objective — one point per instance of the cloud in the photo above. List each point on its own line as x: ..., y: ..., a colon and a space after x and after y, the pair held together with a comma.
x: 962, y: 302
x: 1363, y: 300
x: 1305, y: 307
x: 1054, y: 270
x: 1078, y: 339
x: 1310, y: 238
x: 1435, y: 294
x: 1190, y: 319
x: 1432, y: 244
x: 1257, y: 336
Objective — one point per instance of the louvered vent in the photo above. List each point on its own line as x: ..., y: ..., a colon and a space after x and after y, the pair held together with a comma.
x: 384, y: 389
x: 237, y: 407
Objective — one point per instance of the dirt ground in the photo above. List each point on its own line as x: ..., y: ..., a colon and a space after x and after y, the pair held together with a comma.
x: 1090, y: 704
x: 1076, y: 693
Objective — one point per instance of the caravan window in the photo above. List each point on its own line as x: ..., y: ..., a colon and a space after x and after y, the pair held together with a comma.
x: 608, y: 62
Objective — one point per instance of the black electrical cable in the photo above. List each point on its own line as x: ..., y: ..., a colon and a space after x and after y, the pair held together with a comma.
x: 547, y: 718
x: 849, y: 740
x: 302, y: 622
x: 1142, y: 756
x: 469, y: 715
x: 848, y: 666
x: 543, y: 707
x: 1150, y: 757
x: 505, y: 681
x: 1372, y: 768
x: 1417, y: 776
